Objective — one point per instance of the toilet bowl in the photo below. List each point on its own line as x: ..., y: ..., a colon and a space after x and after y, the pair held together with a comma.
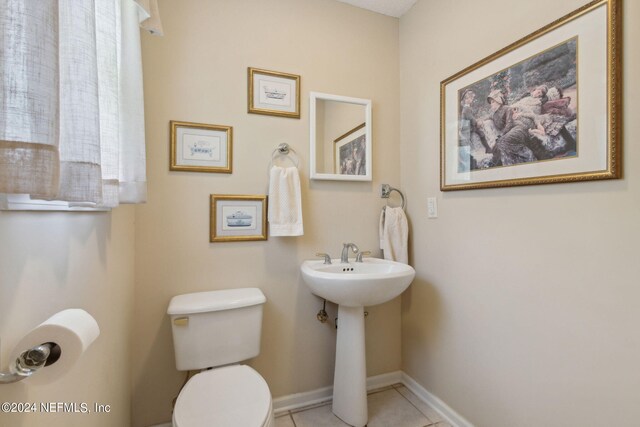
x: 232, y: 396
x: 212, y: 332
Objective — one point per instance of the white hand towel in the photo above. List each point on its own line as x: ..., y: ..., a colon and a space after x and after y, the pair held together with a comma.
x: 394, y: 235
x: 285, y: 203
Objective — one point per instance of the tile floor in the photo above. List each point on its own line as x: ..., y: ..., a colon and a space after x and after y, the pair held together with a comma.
x: 393, y: 406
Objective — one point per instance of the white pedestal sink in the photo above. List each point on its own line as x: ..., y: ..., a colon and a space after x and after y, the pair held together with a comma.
x: 353, y: 286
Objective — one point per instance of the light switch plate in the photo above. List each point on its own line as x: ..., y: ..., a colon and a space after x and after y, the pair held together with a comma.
x: 432, y: 207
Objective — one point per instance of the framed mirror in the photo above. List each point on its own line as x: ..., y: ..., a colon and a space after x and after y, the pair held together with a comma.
x: 340, y: 137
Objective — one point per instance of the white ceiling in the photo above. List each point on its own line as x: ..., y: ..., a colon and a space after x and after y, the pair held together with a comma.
x: 395, y: 8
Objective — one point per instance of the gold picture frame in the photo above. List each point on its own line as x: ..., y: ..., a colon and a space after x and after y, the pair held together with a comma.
x: 199, y: 147
x: 237, y: 218
x: 499, y: 128
x: 273, y: 93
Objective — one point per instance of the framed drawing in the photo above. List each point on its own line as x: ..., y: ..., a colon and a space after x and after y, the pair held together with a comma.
x: 350, y: 152
x: 273, y: 93
x: 545, y: 109
x: 198, y: 147
x: 235, y: 218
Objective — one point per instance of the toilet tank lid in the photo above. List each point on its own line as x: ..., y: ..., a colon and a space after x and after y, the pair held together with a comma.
x: 203, y: 302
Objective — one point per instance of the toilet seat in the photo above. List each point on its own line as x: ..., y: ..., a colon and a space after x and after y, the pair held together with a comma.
x: 231, y: 396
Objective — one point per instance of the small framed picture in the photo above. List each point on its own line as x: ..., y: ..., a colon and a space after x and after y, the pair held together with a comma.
x: 274, y: 93
x: 236, y: 218
x: 350, y: 152
x: 198, y: 147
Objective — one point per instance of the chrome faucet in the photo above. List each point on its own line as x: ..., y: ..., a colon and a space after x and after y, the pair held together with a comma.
x: 344, y: 258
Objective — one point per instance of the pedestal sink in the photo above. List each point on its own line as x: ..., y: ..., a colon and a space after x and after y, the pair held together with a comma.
x: 353, y: 286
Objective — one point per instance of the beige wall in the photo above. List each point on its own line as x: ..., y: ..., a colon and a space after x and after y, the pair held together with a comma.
x: 51, y: 261
x: 524, y: 311
x: 197, y: 72
x: 524, y: 307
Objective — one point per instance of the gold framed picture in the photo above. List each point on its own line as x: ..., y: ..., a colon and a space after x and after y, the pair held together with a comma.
x: 273, y: 93
x: 545, y: 109
x: 237, y: 218
x: 350, y: 152
x: 199, y: 147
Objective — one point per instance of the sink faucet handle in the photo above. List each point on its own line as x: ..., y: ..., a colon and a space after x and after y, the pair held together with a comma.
x: 327, y: 257
x: 359, y: 255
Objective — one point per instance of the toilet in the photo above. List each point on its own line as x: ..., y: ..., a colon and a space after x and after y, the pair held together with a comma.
x: 212, y: 333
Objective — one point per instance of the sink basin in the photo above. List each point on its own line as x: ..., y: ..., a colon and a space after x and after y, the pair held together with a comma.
x: 357, y: 284
x: 352, y: 286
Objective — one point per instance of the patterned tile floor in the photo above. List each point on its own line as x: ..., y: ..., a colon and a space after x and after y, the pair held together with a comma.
x: 393, y: 406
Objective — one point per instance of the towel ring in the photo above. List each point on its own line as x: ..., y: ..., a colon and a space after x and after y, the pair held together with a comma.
x: 385, y: 192
x: 284, y: 150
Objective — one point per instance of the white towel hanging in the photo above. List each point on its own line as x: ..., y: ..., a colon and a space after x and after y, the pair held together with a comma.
x: 285, y: 202
x: 394, y: 234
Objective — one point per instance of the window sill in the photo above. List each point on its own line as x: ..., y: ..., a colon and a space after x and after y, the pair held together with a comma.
x: 22, y: 202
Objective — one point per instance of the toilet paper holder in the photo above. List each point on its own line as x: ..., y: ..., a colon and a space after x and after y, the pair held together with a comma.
x: 31, y: 361
x: 55, y: 344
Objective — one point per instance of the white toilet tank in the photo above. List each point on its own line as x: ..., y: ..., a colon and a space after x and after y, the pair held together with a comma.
x: 216, y: 328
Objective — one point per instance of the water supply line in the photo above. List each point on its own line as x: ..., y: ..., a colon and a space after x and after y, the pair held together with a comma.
x: 366, y: 313
x: 322, y: 315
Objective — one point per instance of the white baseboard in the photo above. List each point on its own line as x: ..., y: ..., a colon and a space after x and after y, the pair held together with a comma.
x: 384, y: 380
x: 451, y: 416
x: 324, y: 394
x: 299, y: 400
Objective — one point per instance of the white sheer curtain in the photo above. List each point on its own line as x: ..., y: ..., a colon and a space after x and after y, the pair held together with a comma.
x: 71, y: 102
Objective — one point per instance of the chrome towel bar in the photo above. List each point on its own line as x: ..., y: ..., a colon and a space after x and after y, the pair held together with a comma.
x: 385, y: 192
x: 284, y: 150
